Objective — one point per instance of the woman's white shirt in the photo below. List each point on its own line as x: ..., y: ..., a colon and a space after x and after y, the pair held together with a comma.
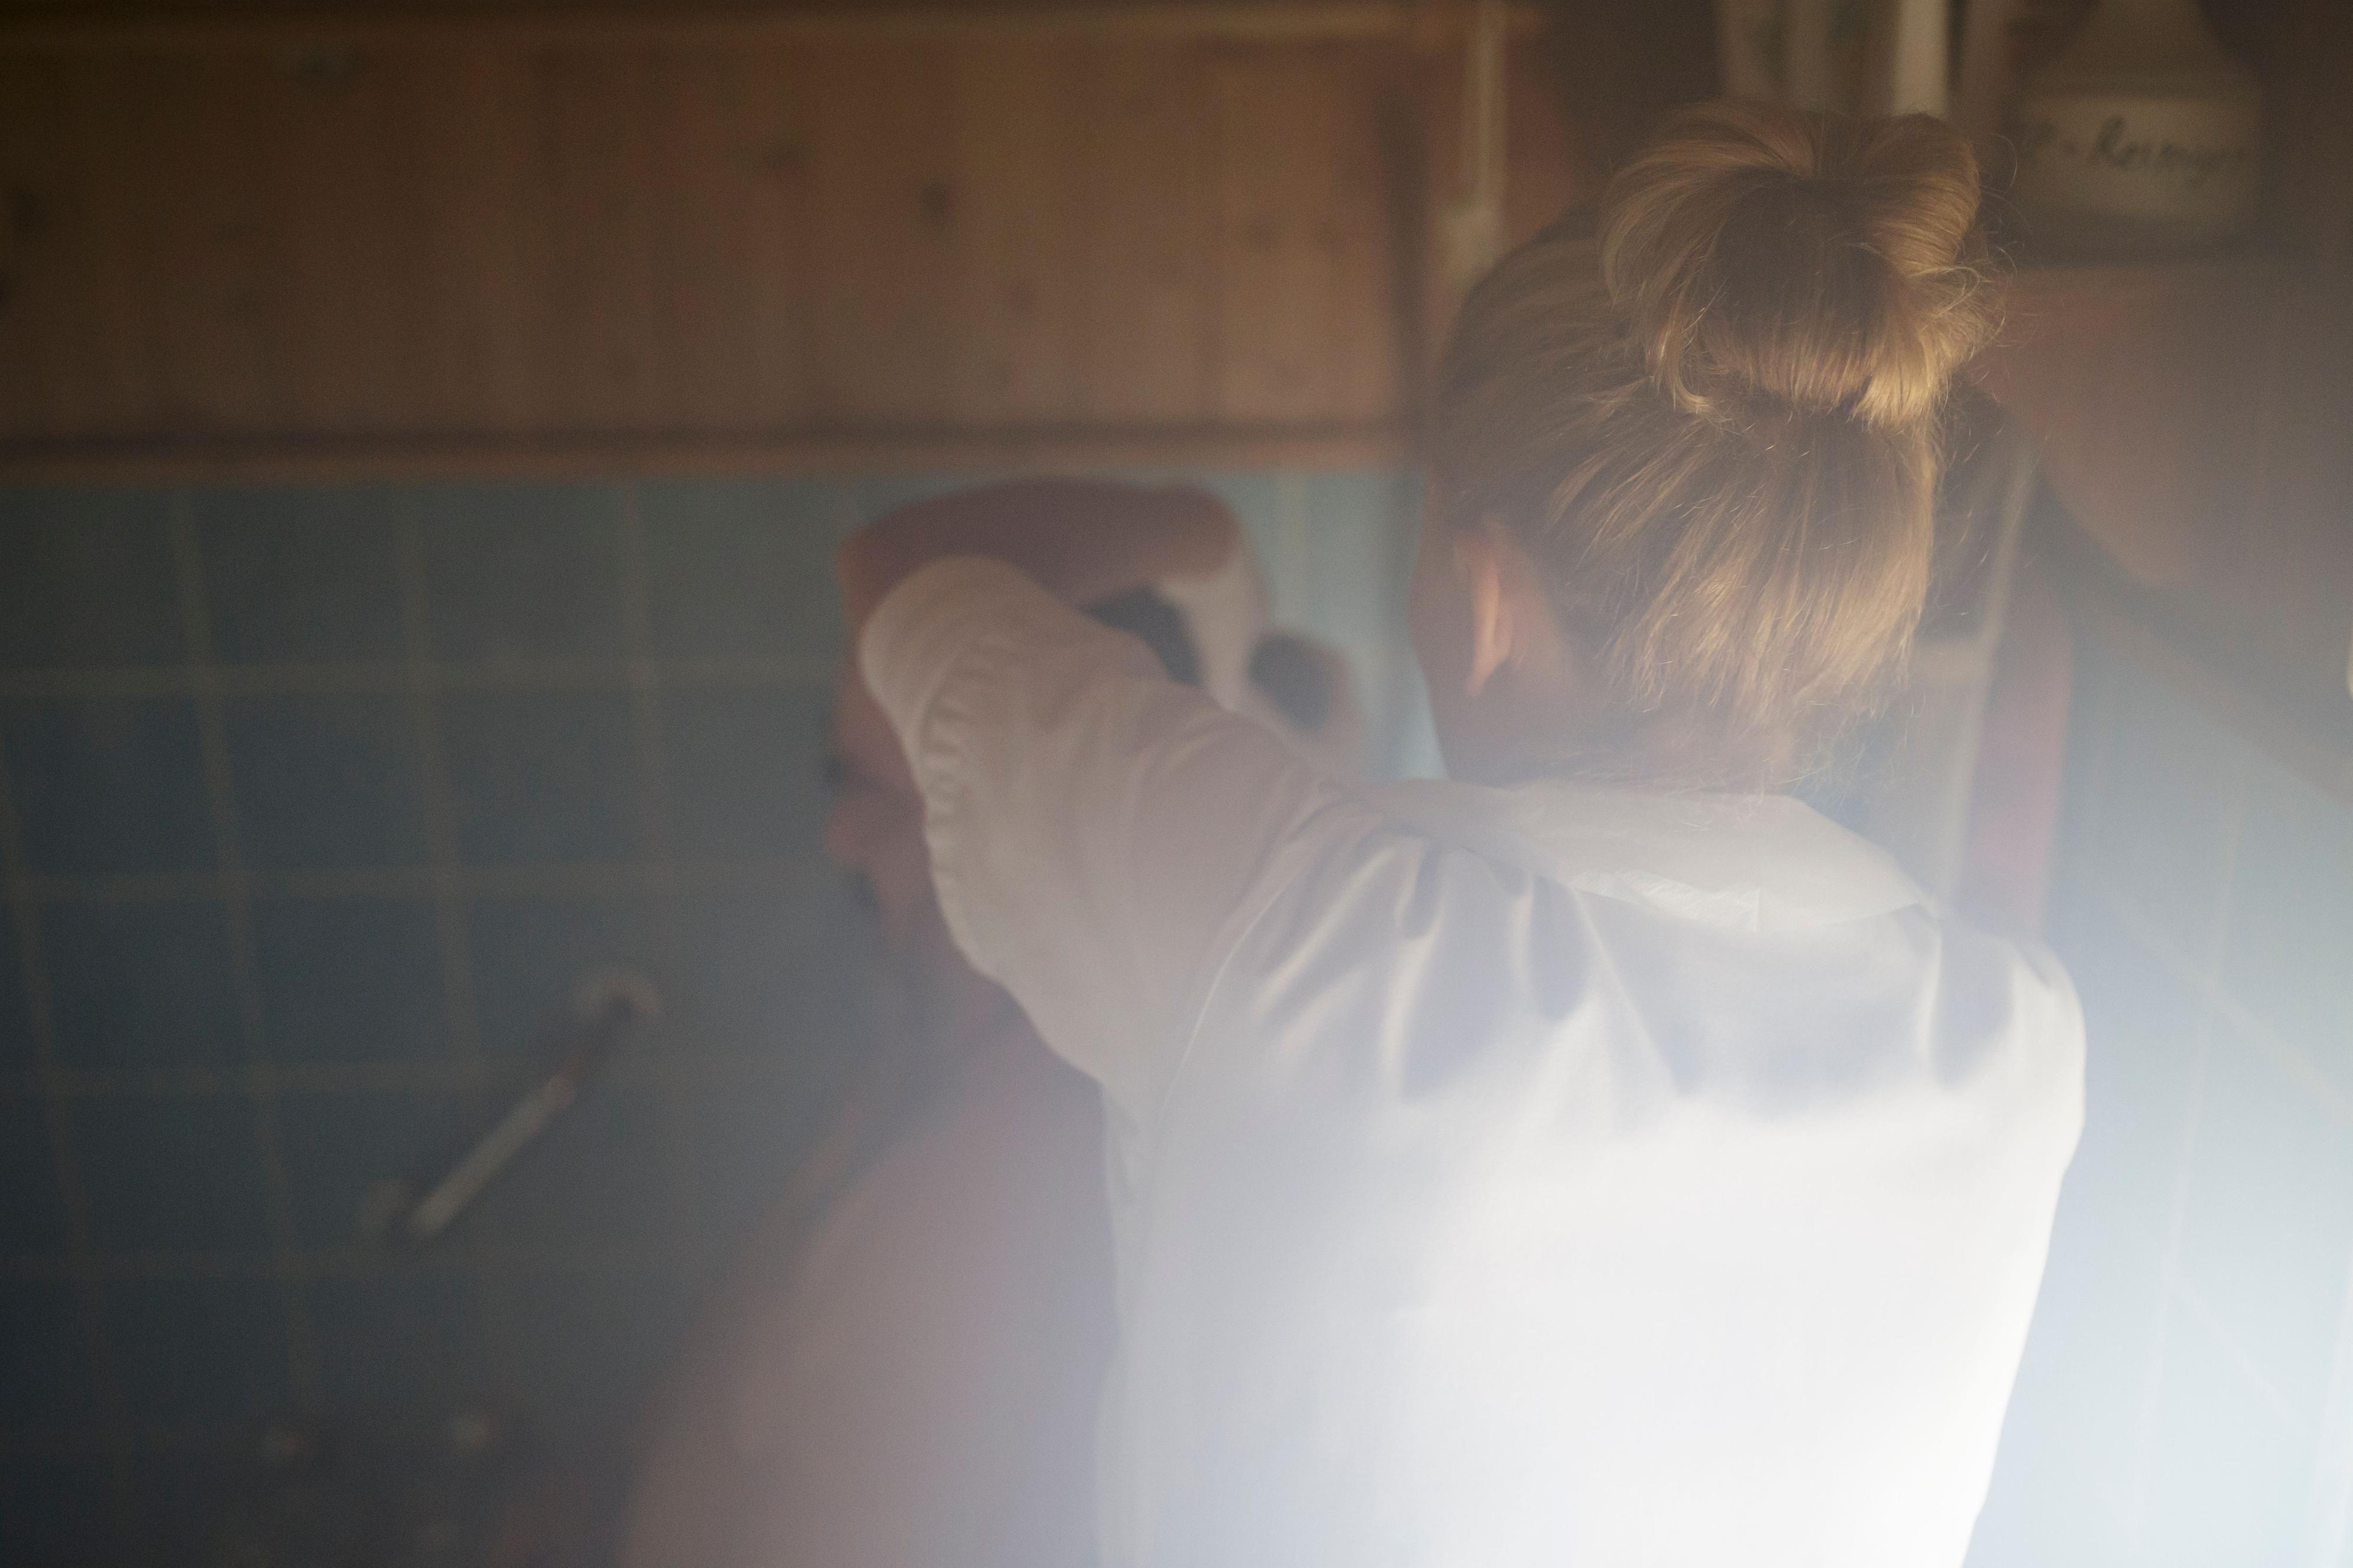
x: 1547, y: 1175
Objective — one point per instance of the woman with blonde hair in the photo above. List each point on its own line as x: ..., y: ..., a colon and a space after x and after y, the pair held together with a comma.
x: 1597, y: 1157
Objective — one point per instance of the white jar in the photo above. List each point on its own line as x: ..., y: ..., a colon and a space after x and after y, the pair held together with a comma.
x: 2143, y: 136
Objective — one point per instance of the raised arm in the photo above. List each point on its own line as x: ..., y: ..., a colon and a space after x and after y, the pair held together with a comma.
x: 1098, y: 834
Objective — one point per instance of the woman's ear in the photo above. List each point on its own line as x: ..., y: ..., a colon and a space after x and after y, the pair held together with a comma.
x: 1479, y: 562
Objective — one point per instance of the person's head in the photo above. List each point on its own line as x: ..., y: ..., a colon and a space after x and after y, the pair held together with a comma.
x: 1683, y: 472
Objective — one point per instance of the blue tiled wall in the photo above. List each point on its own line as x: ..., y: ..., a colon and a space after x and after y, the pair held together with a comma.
x: 2185, y: 1397
x: 314, y: 803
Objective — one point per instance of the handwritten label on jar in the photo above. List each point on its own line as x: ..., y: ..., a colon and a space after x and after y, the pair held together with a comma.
x: 2188, y: 165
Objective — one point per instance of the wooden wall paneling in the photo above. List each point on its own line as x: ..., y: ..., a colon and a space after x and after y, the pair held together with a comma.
x: 733, y: 220
x: 736, y: 22
x: 1623, y: 65
x: 195, y: 189
x: 1264, y: 350
x: 1543, y: 176
x: 2305, y: 61
x: 1364, y: 311
x: 1144, y: 217
x: 474, y: 208
x: 2284, y: 569
x: 775, y: 127
x: 347, y: 318
x: 456, y: 239
x: 46, y: 381
x: 403, y: 227
x: 703, y: 372
x: 2248, y: 606
x: 2146, y: 391
x: 1307, y: 322
x: 441, y: 179
x: 331, y: 254
x: 1547, y: 174
x: 1011, y: 196
x: 599, y: 159
x: 106, y: 114
x: 1417, y: 122
x: 885, y: 233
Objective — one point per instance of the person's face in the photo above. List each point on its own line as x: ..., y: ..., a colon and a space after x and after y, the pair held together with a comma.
x: 874, y: 830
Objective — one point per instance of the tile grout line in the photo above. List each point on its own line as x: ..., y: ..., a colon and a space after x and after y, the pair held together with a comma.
x: 233, y: 1441
x: 113, y: 1421
x: 2210, y: 1317
x: 444, y: 876
x: 397, y: 1076
x: 2091, y: 797
x: 1385, y: 709
x: 2203, y: 971
x: 220, y: 789
x: 359, y: 1262
x: 2292, y: 1060
x: 391, y: 677
x: 449, y: 884
x: 585, y: 878
x: 659, y: 866
x: 1295, y: 554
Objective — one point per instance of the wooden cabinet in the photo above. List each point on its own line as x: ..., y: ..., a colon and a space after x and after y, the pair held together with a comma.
x: 2196, y: 420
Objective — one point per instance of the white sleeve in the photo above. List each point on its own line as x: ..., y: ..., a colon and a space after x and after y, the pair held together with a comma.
x: 1101, y: 835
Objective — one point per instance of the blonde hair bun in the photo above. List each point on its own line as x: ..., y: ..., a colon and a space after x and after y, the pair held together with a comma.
x: 1820, y: 263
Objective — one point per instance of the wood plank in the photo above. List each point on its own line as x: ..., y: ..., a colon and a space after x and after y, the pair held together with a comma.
x: 775, y: 126
x: 1548, y: 173
x: 2192, y: 419
x: 2305, y: 62
x: 2141, y: 386
x: 730, y: 268
x: 1307, y: 321
x: 1012, y: 199
x: 469, y: 134
x: 104, y: 191
x: 1544, y: 174
x: 625, y: 453
x: 1365, y: 310
x: 1266, y: 353
x: 2285, y: 572
x: 203, y: 229
x: 598, y: 151
x: 47, y: 384
x: 1144, y: 223
x: 341, y: 311
x: 196, y: 24
x: 885, y: 233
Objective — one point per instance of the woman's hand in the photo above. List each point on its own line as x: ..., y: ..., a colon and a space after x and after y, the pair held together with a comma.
x: 1082, y: 539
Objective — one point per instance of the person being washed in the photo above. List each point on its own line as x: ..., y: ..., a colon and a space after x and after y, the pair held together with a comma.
x: 903, y: 1370
x: 1599, y: 1158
